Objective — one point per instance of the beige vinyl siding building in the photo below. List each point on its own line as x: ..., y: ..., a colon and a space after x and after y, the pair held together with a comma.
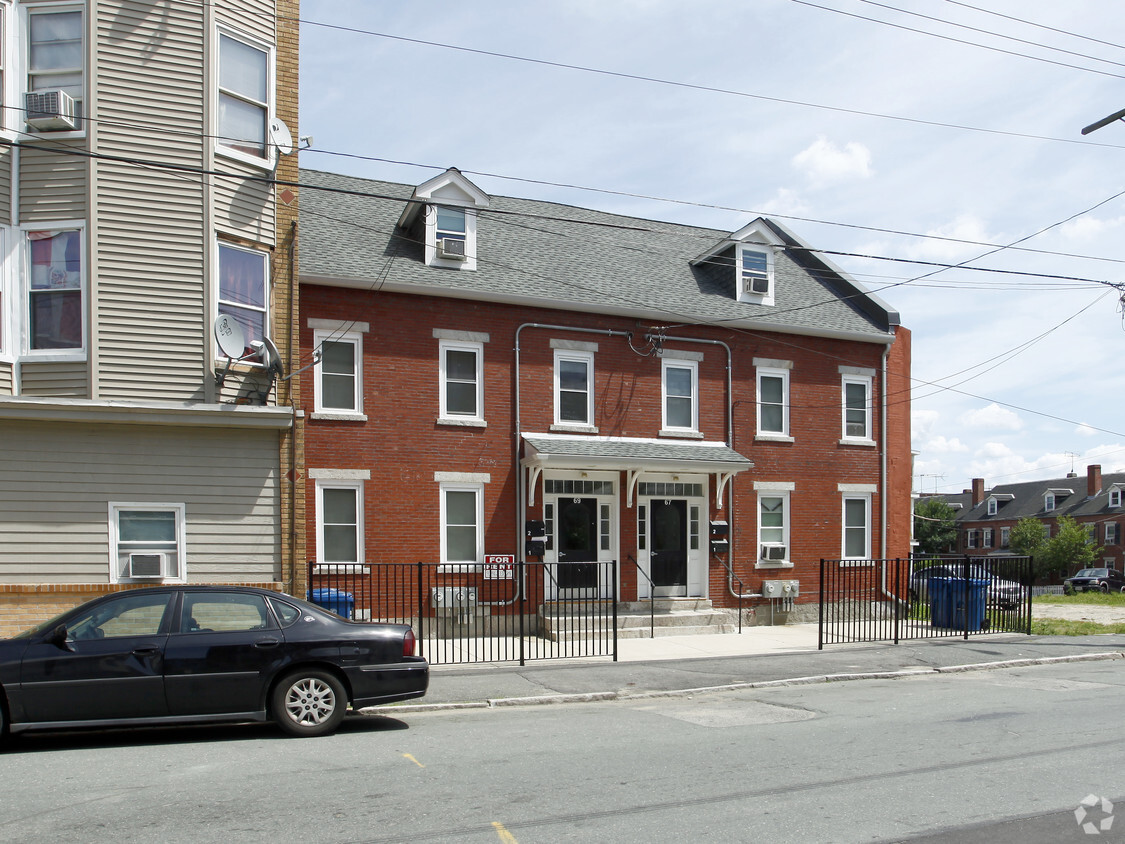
x: 123, y: 461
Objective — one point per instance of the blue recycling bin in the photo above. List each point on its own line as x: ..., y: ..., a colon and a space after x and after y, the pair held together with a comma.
x: 958, y: 604
x: 340, y: 602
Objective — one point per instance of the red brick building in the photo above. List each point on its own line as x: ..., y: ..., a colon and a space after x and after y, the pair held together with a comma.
x: 686, y: 401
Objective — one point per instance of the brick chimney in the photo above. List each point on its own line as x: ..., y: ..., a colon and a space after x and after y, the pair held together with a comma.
x: 978, y: 491
x: 1093, y: 480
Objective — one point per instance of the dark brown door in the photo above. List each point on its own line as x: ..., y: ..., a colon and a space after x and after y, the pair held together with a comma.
x: 577, y: 543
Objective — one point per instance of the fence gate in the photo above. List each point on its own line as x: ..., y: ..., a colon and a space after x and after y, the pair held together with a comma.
x: 930, y: 598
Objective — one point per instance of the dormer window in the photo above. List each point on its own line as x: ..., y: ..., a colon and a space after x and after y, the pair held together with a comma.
x: 755, y: 272
x: 1115, y: 497
x: 1049, y: 502
x: 442, y: 217
x: 992, y: 506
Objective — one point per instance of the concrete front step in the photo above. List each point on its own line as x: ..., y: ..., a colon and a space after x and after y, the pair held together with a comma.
x: 669, y: 617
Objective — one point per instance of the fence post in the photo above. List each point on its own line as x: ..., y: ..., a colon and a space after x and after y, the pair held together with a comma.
x: 613, y: 590
x: 421, y: 613
x: 898, y: 592
x: 820, y: 613
x: 521, y: 588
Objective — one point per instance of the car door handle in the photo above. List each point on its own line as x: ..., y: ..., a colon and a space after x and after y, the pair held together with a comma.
x: 149, y: 651
x: 267, y: 643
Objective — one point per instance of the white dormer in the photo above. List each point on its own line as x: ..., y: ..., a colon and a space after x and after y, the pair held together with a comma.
x: 1051, y: 499
x: 751, y: 250
x: 1115, y: 495
x: 995, y: 500
x: 447, y: 207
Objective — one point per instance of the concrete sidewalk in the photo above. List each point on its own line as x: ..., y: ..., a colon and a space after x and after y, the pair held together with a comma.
x: 759, y: 656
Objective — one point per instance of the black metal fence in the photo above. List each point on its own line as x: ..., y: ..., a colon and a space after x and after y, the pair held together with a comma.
x: 493, y: 613
x: 935, y: 597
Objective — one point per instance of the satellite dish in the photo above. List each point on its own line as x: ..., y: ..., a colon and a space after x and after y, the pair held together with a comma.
x: 228, y: 334
x: 271, y: 357
x: 280, y: 137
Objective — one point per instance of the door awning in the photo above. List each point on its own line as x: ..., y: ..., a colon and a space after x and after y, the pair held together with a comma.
x: 632, y: 455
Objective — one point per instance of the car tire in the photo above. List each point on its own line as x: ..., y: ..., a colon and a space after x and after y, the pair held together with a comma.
x: 1105, y: 587
x: 309, y: 703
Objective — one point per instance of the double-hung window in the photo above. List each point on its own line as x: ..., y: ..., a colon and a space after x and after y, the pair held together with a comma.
x: 1005, y: 537
x: 773, y: 402
x: 339, y: 522
x: 857, y: 407
x: 773, y: 527
x: 244, y: 97
x: 681, y: 389
x: 1112, y: 533
x: 55, y: 51
x: 244, y: 289
x: 147, y: 542
x: 1115, y: 497
x: 462, y: 376
x: 462, y: 523
x: 857, y: 527
x: 574, y: 388
x: 56, y: 284
x: 339, y: 372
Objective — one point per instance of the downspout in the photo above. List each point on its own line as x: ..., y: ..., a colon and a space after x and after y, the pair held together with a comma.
x: 729, y: 443
x: 521, y: 492
x: 294, y: 329
x: 883, y: 474
x: 14, y: 212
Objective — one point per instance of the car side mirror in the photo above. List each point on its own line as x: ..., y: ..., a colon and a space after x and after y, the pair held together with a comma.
x: 58, y: 638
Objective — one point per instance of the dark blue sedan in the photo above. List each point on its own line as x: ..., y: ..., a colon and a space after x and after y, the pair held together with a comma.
x: 180, y: 654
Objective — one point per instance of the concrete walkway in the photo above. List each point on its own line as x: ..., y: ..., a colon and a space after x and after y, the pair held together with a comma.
x: 760, y: 656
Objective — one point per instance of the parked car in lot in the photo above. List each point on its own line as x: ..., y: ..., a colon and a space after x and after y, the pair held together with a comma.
x: 1004, y: 594
x: 1102, y: 580
x: 178, y: 654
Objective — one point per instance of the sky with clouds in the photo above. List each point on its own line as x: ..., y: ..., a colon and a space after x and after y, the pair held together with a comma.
x: 934, y: 146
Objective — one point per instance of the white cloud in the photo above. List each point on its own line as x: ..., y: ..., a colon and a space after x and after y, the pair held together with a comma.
x: 785, y: 202
x: 824, y: 163
x: 943, y: 445
x: 964, y: 227
x: 1085, y: 430
x: 1085, y: 229
x: 994, y: 418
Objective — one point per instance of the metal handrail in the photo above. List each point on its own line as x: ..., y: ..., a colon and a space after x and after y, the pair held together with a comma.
x: 651, y: 598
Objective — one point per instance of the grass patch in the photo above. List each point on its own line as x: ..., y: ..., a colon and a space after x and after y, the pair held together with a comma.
x: 1101, y: 599
x: 1063, y: 627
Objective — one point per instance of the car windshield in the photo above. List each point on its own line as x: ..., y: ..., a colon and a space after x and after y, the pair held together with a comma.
x: 49, y: 624
x: 1093, y: 573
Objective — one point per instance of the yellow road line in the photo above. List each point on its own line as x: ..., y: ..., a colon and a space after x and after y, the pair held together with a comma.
x: 415, y: 761
x: 505, y: 836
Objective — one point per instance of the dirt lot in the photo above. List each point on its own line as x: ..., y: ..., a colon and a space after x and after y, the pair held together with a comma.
x: 1079, y: 612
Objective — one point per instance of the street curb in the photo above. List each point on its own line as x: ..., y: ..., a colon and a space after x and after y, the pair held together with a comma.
x: 591, y: 697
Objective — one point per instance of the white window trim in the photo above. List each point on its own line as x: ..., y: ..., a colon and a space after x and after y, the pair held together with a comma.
x: 1111, y: 534
x: 986, y: 537
x: 866, y: 381
x: 432, y: 257
x: 444, y: 416
x: 340, y: 483
x: 693, y: 367
x: 866, y: 499
x: 266, y: 294
x: 993, y: 506
x: 744, y: 295
x: 13, y: 69
x: 180, y: 511
x: 355, y: 338
x: 783, y: 374
x: 267, y: 162
x: 445, y: 565
x: 11, y: 299
x: 764, y: 491
x: 574, y: 357
x: 1115, y: 498
x: 23, y: 250
x: 1050, y: 502
x: 19, y: 65
x: 1005, y: 537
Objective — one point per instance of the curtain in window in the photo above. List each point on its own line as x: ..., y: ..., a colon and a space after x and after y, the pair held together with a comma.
x: 55, y: 290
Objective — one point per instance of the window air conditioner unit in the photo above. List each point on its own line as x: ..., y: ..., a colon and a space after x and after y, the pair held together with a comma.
x: 773, y: 552
x: 49, y: 110
x: 451, y: 248
x: 758, y: 284
x: 145, y: 566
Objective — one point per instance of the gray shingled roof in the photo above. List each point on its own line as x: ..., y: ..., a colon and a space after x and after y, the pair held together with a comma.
x: 624, y: 451
x: 1027, y: 500
x: 561, y: 256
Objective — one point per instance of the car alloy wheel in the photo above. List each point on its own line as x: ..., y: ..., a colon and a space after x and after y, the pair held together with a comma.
x: 309, y: 703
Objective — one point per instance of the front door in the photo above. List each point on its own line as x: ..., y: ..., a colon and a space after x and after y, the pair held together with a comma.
x: 576, y: 527
x: 668, y: 548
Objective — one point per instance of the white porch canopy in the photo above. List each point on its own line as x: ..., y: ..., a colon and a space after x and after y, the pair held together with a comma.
x: 634, y: 456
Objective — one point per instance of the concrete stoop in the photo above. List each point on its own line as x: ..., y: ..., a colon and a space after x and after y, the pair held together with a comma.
x: 669, y: 617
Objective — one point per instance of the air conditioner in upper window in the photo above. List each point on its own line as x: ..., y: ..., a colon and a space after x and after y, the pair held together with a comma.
x: 758, y: 284
x: 145, y: 566
x: 49, y: 110
x: 452, y: 248
x: 773, y: 552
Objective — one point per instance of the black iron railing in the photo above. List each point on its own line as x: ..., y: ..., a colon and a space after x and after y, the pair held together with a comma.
x: 472, y: 613
x: 924, y: 598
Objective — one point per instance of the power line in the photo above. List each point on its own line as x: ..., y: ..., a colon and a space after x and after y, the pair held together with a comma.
x: 1032, y: 23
